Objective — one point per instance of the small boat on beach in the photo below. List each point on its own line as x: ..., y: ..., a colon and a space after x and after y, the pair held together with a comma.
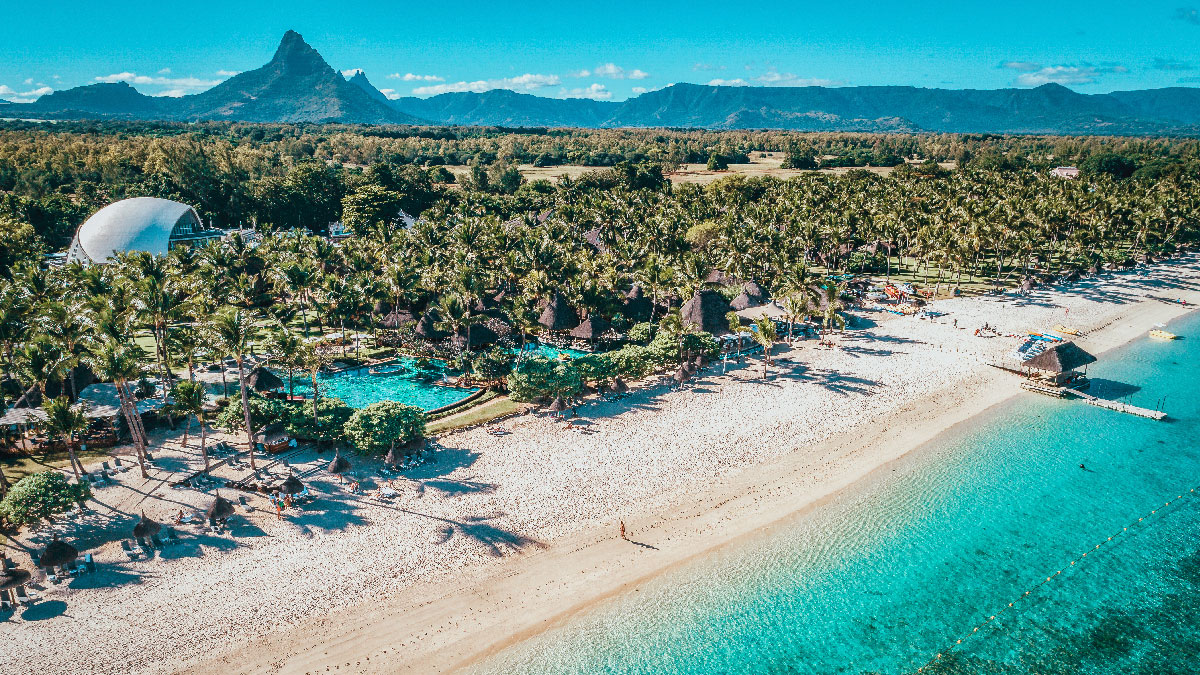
x: 1162, y: 335
x: 1065, y: 330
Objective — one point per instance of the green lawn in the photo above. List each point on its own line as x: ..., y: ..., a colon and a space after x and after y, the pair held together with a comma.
x: 484, y: 412
x: 17, y: 466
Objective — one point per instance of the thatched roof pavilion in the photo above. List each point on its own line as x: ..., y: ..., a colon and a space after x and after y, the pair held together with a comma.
x: 146, y: 528
x: 756, y: 292
x: 14, y: 578
x: 743, y: 301
x: 591, y: 329
x: 707, y: 309
x: 57, y: 553
x: 619, y: 386
x: 427, y: 326
x: 261, y: 379
x: 558, y: 405
x: 558, y: 315
x: 220, y: 509
x: 397, y: 319
x: 637, y: 306
x: 1063, y: 357
x: 479, y: 335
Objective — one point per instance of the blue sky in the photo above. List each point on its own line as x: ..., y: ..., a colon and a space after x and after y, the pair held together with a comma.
x: 609, y: 50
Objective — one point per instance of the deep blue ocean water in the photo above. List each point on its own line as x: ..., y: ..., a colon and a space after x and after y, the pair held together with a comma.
x: 899, y: 567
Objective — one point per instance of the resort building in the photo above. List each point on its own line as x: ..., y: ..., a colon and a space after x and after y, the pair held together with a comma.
x: 1064, y: 172
x: 145, y: 224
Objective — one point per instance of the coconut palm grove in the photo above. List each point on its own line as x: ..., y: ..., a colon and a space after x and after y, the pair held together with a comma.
x: 429, y: 243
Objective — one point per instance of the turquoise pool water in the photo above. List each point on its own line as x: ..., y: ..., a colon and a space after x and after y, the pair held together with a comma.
x: 901, y: 566
x: 358, y: 388
x: 550, y: 352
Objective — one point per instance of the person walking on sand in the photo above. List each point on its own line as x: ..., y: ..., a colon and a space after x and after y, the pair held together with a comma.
x: 623, y: 529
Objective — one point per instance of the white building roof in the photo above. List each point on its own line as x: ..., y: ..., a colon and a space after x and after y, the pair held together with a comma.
x: 138, y: 224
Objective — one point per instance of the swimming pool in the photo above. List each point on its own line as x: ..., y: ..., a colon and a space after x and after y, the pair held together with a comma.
x: 359, y: 388
x: 538, y: 349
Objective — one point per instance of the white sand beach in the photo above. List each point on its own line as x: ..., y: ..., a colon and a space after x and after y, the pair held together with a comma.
x: 502, y: 536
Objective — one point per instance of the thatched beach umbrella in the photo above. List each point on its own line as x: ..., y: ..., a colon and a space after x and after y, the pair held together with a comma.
x: 618, y: 385
x: 1027, y: 285
x: 145, y: 528
x: 220, y: 509
x: 14, y: 578
x: 591, y: 329
x: 558, y: 405
x: 707, y: 309
x: 291, y: 486
x: 558, y: 315
x: 260, y: 379
x: 476, y: 335
x: 339, y: 465
x: 57, y: 553
x: 682, y: 374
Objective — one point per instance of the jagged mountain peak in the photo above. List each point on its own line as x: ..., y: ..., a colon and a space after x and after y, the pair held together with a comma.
x: 295, y: 56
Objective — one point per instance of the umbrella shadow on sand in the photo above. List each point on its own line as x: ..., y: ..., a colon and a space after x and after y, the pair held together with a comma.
x: 41, y: 611
x: 496, y: 540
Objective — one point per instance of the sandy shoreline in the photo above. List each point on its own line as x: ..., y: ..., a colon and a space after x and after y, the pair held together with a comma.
x: 448, y: 625
x: 500, y: 538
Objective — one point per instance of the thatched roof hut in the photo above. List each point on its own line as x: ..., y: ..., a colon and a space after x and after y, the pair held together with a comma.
x: 1027, y: 284
x: 558, y: 315
x: 477, y: 335
x: 707, y: 309
x: 291, y: 486
x: 427, y: 326
x: 756, y: 292
x: 220, y: 509
x: 682, y: 374
x: 397, y: 319
x: 637, y: 306
x: 381, y: 307
x: 618, y: 385
x: 57, y: 553
x: 261, y: 379
x: 146, y: 528
x: 338, y: 465
x: 558, y: 405
x: 1063, y: 357
x: 743, y: 301
x: 594, y: 238
x: 591, y: 329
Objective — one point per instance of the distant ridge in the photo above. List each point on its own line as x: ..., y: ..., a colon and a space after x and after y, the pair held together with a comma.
x: 297, y: 85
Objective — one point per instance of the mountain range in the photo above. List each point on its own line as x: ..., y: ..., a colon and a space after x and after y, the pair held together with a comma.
x: 297, y: 85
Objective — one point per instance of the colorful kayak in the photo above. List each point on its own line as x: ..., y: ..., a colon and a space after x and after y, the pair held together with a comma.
x: 1162, y: 335
x: 1065, y: 330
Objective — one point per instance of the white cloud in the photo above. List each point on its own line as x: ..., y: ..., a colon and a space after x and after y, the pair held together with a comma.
x: 13, y: 96
x: 351, y: 73
x: 411, y: 77
x: 1057, y: 75
x: 173, y: 83
x: 171, y: 93
x: 28, y: 81
x: 640, y: 90
x: 706, y: 67
x: 390, y: 93
x: 613, y: 71
x: 524, y: 83
x: 777, y: 79
x: 165, y: 71
x: 228, y: 73
x: 596, y: 91
x: 1021, y: 66
x: 736, y: 82
x: 580, y: 73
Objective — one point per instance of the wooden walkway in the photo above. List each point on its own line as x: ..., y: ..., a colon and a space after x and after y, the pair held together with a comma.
x: 1118, y: 406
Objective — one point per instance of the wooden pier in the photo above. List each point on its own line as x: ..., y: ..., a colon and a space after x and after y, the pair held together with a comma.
x: 1118, y: 406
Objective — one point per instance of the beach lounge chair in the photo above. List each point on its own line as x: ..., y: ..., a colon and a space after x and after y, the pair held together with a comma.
x: 172, y: 535
x: 90, y: 563
x: 129, y: 552
x: 23, y: 596
x: 5, y: 605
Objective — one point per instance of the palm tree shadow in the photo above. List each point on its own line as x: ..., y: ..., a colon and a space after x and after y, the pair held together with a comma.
x: 496, y: 540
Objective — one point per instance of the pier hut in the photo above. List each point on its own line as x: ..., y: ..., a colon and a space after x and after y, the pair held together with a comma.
x: 1063, y: 365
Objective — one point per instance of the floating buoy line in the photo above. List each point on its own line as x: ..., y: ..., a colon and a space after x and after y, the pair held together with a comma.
x: 1042, y: 582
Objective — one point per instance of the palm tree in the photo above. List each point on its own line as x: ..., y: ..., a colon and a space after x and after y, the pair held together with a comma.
x: 764, y: 334
x: 833, y: 305
x: 234, y: 329
x: 313, y: 361
x: 118, y: 362
x: 65, y: 421
x: 285, y: 347
x: 189, y: 400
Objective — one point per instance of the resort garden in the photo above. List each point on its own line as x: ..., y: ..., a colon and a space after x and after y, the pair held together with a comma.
x: 540, y: 290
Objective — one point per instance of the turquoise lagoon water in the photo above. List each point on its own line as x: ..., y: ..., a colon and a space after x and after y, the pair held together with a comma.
x: 538, y: 349
x: 359, y: 388
x: 898, y: 568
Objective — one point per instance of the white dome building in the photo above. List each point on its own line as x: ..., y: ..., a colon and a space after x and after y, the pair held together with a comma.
x: 145, y: 224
